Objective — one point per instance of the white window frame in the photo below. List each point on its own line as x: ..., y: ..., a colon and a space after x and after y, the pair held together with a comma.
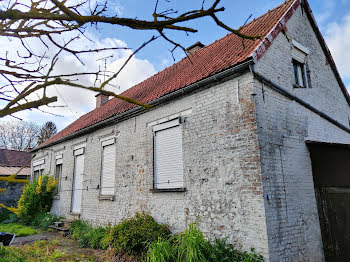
x: 106, y: 141
x: 300, y: 74
x: 161, y: 127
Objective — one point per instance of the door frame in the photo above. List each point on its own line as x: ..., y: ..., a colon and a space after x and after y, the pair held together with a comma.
x: 75, y: 154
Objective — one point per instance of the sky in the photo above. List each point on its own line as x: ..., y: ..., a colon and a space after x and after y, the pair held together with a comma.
x: 333, y: 18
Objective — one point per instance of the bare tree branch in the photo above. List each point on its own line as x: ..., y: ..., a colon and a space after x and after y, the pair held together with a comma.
x: 28, y: 74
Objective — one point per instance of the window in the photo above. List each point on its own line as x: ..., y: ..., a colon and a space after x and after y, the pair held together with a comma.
x: 38, y: 173
x: 299, y: 54
x: 108, y: 167
x: 38, y: 168
x: 299, y: 74
x: 168, y: 161
x: 58, y: 171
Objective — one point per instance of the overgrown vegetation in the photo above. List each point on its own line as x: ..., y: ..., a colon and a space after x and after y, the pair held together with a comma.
x: 7, y: 217
x: 17, y: 229
x: 133, y: 235
x: 4, y: 214
x: 36, y: 198
x: 32, y: 208
x: 143, y: 237
x: 140, y: 235
x: 89, y: 236
x: 40, y: 251
x: 35, y: 203
x: 191, y: 246
x: 44, y: 220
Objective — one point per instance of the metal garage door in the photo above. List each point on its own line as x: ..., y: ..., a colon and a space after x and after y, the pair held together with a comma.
x: 331, y: 174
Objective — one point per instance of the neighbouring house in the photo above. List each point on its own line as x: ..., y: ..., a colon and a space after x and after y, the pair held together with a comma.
x: 13, y: 162
x: 251, y: 141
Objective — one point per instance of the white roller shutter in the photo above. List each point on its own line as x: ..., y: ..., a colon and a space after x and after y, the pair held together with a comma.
x: 299, y: 52
x: 298, y: 55
x: 108, y: 170
x: 38, y: 165
x: 168, y: 158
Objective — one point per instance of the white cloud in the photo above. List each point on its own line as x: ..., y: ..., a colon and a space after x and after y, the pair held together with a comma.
x: 338, y: 40
x: 82, y: 101
x: 322, y: 17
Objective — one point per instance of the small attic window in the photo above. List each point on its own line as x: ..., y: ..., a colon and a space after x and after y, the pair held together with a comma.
x: 299, y: 55
x: 300, y: 74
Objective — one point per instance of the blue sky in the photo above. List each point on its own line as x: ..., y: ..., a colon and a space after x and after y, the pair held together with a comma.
x: 333, y: 18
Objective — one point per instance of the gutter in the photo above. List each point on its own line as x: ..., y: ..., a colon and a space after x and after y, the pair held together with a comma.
x: 291, y: 96
x: 168, y: 97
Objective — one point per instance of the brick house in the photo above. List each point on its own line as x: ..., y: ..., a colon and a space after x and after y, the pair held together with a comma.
x: 13, y: 162
x: 247, y: 141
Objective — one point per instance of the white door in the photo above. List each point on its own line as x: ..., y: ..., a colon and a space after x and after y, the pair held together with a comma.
x: 78, y: 183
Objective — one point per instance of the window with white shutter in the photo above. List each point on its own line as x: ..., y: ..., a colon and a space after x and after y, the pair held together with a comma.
x: 108, y: 167
x: 168, y: 162
x: 38, y: 168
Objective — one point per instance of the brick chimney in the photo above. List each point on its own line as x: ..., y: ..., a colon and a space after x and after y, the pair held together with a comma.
x: 193, y: 48
x: 101, y: 99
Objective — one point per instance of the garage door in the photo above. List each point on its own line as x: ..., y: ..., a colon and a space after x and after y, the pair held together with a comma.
x: 331, y: 174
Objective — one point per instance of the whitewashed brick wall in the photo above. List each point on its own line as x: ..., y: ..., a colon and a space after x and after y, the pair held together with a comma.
x: 283, y: 126
x: 221, y: 168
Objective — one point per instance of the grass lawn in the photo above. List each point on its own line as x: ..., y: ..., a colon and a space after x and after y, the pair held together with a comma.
x: 40, y: 251
x: 57, y: 249
x: 17, y: 229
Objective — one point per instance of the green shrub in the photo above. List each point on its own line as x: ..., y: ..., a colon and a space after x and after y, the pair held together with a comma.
x: 97, y: 237
x: 36, y: 198
x: 13, y: 218
x: 223, y: 252
x: 162, y: 251
x: 44, y: 220
x: 191, y: 246
x: 4, y: 214
x: 133, y: 235
x: 78, y: 228
x: 17, y: 229
x: 89, y: 236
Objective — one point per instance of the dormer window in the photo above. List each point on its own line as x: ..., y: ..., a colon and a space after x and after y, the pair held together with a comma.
x: 299, y: 54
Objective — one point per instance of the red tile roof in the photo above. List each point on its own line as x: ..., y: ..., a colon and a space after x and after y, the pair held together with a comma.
x: 14, y: 158
x: 209, y: 60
